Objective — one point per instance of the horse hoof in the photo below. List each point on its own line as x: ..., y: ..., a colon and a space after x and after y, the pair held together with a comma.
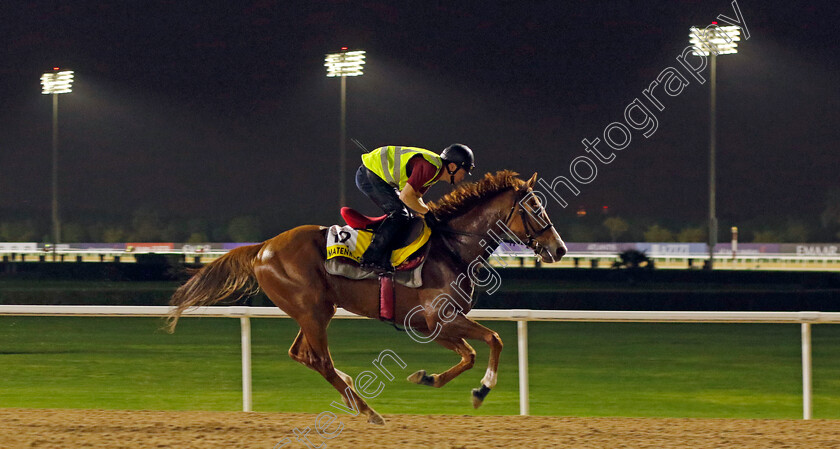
x: 376, y: 418
x: 421, y: 378
x: 476, y: 402
x: 478, y: 395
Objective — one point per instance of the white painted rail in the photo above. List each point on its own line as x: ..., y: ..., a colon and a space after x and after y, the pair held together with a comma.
x: 522, y: 316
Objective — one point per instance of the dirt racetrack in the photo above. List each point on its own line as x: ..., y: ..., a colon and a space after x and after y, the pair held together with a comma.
x: 66, y: 429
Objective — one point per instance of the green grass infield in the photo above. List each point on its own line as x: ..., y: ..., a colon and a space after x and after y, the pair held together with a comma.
x: 576, y: 369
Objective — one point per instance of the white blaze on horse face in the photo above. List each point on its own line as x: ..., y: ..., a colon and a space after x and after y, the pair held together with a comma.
x: 489, y: 379
x: 560, y: 243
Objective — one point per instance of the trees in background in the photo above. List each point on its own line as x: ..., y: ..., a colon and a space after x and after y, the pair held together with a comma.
x: 830, y: 217
x: 20, y: 231
x: 658, y: 233
x: 692, y: 234
x: 148, y: 224
x: 617, y: 226
x: 245, y: 229
x: 145, y: 225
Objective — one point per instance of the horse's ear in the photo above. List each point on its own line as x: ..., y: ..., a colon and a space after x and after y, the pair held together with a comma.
x: 530, y: 183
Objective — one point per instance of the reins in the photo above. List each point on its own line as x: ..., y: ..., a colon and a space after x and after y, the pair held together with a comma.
x: 531, y: 232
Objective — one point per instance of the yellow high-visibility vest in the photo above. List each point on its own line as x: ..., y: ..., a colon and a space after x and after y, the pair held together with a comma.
x: 382, y: 162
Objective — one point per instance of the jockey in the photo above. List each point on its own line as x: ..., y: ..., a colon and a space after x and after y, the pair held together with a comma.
x: 396, y: 178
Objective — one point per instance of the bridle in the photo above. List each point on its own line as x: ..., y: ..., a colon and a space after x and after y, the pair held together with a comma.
x: 532, y: 233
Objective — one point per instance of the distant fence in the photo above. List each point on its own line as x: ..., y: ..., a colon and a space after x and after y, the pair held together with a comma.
x: 522, y: 317
x: 765, y: 256
x: 662, y: 249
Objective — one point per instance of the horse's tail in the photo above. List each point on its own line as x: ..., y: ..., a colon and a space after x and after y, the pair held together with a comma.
x: 231, y: 275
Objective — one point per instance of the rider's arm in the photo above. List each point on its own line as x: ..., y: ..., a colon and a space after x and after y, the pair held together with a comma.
x: 413, y: 200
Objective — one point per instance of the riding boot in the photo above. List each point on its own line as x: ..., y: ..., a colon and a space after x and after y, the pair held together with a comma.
x: 377, y: 257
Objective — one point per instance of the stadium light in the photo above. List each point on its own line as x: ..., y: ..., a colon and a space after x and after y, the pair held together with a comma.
x: 712, y: 41
x: 715, y: 40
x: 55, y: 83
x: 344, y: 64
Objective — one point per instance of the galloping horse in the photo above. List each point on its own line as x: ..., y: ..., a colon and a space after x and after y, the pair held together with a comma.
x: 289, y: 268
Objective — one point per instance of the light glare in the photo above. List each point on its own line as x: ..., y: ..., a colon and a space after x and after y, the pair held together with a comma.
x: 57, y: 82
x: 346, y: 63
x: 715, y: 39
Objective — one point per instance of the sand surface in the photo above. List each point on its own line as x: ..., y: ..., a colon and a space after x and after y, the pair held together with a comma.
x: 33, y: 428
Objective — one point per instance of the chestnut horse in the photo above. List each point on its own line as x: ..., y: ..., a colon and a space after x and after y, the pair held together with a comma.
x: 289, y: 268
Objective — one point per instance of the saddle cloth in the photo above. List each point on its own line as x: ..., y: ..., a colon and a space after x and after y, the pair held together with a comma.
x: 346, y: 245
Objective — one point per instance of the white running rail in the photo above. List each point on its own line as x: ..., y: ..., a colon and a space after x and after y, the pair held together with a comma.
x: 521, y: 316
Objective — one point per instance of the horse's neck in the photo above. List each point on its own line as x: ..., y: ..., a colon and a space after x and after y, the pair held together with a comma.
x: 481, y: 220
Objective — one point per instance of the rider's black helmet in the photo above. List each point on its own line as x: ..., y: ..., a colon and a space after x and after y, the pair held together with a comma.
x: 459, y: 154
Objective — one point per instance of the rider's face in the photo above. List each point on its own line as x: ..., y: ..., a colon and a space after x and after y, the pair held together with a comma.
x: 460, y: 174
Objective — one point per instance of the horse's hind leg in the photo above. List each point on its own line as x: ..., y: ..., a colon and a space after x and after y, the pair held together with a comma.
x: 299, y: 352
x: 458, y: 345
x: 310, y: 348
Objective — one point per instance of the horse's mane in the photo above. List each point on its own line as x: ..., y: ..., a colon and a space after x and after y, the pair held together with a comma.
x: 467, y: 195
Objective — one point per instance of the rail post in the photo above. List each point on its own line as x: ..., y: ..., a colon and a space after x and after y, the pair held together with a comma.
x: 806, y: 370
x: 245, y: 323
x: 522, y: 346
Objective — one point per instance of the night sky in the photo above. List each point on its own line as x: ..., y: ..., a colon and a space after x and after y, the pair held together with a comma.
x: 217, y: 109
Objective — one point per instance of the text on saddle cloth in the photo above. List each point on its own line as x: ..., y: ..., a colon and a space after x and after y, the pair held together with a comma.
x: 349, y: 243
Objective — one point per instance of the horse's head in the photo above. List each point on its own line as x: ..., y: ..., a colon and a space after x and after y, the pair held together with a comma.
x: 533, y: 226
x: 468, y: 209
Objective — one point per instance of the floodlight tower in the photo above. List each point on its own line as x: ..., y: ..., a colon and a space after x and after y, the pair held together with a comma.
x: 712, y: 41
x: 55, y: 83
x: 344, y: 64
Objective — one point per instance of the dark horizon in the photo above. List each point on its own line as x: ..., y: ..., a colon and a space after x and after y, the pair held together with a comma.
x: 224, y: 110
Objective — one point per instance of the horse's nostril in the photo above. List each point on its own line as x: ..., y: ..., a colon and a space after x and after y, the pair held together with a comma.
x: 561, y: 251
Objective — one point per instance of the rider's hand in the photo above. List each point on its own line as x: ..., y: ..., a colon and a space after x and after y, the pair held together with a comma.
x: 432, y: 220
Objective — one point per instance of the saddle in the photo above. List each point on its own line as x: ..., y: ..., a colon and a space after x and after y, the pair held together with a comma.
x: 346, y: 244
x: 358, y: 221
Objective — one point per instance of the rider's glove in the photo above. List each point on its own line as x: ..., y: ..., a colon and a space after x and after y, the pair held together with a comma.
x: 432, y: 220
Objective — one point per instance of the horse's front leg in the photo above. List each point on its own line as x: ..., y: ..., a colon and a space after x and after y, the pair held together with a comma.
x: 458, y: 345
x: 462, y: 327
x: 493, y: 340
